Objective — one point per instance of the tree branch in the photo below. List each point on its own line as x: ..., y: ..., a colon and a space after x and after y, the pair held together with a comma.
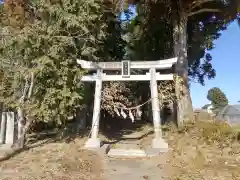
x: 24, y: 91
x: 203, y: 11
x: 31, y: 85
x: 199, y: 3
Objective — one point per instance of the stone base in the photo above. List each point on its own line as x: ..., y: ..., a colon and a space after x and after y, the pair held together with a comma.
x: 93, y: 143
x: 127, y: 153
x: 159, y: 143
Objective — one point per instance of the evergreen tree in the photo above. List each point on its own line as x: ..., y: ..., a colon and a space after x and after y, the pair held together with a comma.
x: 38, y: 61
x: 217, y: 97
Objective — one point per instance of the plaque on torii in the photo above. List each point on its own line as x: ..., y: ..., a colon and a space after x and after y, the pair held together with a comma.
x: 125, y: 68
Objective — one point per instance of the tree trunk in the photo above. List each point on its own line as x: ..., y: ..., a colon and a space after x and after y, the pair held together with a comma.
x: 184, y: 102
x: 146, y: 109
x: 21, y: 140
x: 81, y: 115
x: 22, y: 126
x: 20, y: 121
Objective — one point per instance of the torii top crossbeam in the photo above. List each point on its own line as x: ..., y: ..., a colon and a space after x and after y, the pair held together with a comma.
x: 159, y: 64
x: 126, y: 66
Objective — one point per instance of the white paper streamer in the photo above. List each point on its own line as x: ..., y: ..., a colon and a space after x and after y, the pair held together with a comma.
x: 139, y: 113
x: 123, y: 114
x: 116, y: 111
x: 131, y: 116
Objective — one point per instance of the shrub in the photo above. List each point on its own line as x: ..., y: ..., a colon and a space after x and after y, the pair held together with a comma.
x: 211, y: 131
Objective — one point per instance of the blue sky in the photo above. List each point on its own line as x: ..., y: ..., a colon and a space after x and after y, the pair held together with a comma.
x: 226, y: 61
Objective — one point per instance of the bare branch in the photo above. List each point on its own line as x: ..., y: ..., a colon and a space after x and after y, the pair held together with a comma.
x: 24, y: 91
x: 199, y: 3
x: 203, y: 11
x: 31, y: 85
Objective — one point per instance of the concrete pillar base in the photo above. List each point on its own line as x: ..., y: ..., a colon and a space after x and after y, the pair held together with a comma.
x: 93, y: 143
x: 159, y: 143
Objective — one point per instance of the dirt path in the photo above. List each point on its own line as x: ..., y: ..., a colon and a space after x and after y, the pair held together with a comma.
x: 136, y: 169
x: 147, y: 168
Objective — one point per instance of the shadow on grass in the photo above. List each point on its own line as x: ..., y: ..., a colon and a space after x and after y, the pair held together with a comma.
x: 113, y: 129
x: 11, y: 152
x: 67, y: 135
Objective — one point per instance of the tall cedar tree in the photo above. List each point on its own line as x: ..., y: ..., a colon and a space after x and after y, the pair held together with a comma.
x: 185, y: 17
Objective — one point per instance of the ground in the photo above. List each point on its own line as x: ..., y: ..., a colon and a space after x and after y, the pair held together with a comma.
x: 148, y: 168
x: 199, y: 151
x: 136, y: 169
x: 53, y: 161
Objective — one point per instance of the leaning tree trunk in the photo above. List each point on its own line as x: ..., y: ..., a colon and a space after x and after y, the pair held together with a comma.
x: 184, y: 102
x: 23, y: 126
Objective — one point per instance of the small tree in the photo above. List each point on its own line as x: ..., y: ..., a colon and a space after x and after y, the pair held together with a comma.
x: 217, y: 97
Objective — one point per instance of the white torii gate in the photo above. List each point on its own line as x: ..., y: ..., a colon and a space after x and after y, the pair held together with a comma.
x: 125, y: 67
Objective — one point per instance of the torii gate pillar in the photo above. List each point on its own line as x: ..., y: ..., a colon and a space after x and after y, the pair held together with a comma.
x: 94, y: 141
x: 158, y: 142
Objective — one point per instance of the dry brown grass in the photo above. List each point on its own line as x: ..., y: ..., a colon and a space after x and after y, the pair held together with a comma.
x: 53, y: 161
x: 204, y: 150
